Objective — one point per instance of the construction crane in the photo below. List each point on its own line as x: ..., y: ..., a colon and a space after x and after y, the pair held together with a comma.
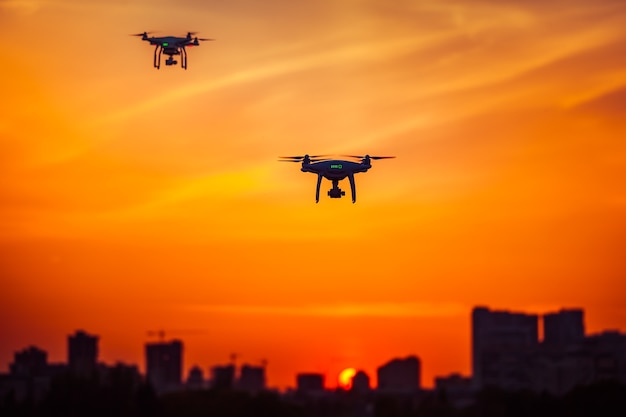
x: 161, y: 333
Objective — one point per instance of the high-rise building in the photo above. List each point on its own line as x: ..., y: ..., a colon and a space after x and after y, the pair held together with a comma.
x: 29, y: 377
x: 164, y: 364
x: 500, y: 341
x: 400, y: 375
x: 565, y: 327
x: 195, y: 379
x: 608, y: 352
x: 251, y: 378
x: 310, y: 382
x: 361, y: 382
x: 29, y: 363
x: 456, y: 388
x: 82, y: 353
x: 223, y: 376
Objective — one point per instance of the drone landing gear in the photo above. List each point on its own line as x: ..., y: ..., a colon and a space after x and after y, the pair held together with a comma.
x: 157, y: 60
x: 183, y: 57
x: 170, y: 60
x: 336, y: 192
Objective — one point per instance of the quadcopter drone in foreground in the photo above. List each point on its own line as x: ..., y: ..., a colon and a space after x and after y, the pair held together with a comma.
x: 333, y: 170
x: 171, y: 45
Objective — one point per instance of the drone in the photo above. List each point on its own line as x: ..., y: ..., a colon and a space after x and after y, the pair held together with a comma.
x: 333, y: 170
x: 171, y: 45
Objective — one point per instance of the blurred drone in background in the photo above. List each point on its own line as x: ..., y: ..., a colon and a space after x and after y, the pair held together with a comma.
x: 171, y: 45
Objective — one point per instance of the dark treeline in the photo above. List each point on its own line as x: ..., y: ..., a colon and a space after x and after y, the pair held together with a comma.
x: 122, y: 396
x: 602, y: 399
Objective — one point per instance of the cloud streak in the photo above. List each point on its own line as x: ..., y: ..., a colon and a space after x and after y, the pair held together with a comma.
x: 353, y: 53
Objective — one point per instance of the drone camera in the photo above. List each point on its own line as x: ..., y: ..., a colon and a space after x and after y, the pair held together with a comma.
x: 171, y: 61
x: 336, y: 193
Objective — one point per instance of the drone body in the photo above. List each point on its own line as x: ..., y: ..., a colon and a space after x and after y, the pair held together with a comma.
x: 171, y: 45
x: 334, y: 170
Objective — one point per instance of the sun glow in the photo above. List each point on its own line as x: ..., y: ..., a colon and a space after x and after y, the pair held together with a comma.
x: 345, y: 378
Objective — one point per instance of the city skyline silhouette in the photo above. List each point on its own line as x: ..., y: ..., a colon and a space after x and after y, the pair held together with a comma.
x: 563, y: 329
x: 516, y: 368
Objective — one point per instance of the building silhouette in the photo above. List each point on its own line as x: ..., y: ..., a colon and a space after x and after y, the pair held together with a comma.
x: 195, y: 379
x: 456, y: 389
x: 164, y: 363
x: 500, y: 341
x: 251, y: 378
x: 82, y: 353
x: 565, y: 327
x: 507, y: 355
x: 29, y: 375
x: 400, y: 375
x: 223, y: 376
x: 361, y: 382
x: 30, y: 362
x: 309, y: 382
x: 608, y: 351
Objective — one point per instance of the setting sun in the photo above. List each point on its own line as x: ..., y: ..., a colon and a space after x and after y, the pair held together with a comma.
x: 345, y: 378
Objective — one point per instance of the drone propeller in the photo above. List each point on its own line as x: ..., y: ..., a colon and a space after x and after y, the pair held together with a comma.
x: 303, y: 156
x: 370, y: 157
x: 140, y: 34
x: 190, y: 34
x: 302, y: 160
x: 196, y: 41
x: 309, y: 158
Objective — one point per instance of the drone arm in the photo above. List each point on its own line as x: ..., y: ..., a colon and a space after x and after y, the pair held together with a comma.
x: 317, y: 189
x: 352, y: 187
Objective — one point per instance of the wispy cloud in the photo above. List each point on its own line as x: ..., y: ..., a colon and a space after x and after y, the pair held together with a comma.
x: 21, y: 6
x: 322, y: 57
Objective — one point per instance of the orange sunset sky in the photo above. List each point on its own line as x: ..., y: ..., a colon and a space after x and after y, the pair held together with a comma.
x: 134, y: 199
